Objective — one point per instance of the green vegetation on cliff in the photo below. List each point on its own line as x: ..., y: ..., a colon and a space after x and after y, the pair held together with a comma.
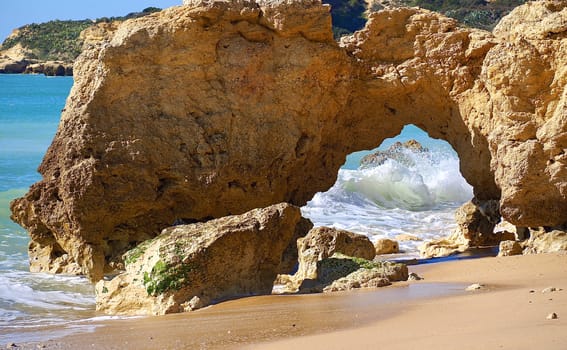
x: 350, y: 15
x: 58, y: 40
x: 474, y: 13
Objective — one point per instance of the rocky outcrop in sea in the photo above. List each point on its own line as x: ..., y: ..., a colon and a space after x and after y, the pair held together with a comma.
x: 216, y: 108
x: 395, y: 152
x: 16, y: 61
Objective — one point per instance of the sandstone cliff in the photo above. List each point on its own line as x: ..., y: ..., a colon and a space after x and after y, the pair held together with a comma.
x: 215, y: 108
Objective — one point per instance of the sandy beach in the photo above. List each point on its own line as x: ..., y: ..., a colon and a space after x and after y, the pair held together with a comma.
x: 509, y: 312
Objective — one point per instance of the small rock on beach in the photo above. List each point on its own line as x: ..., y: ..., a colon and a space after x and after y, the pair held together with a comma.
x: 474, y: 286
x: 414, y: 277
x: 552, y: 316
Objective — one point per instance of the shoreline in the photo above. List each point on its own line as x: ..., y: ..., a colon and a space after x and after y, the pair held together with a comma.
x: 433, y: 313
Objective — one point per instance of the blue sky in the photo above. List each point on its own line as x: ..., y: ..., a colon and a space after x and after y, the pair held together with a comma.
x: 16, y: 13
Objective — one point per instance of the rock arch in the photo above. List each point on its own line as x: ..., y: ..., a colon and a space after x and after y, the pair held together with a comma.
x: 215, y: 108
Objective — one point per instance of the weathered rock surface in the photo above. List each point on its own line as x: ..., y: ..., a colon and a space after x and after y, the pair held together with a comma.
x: 476, y: 222
x: 386, y: 246
x: 215, y: 108
x: 546, y: 242
x: 190, y: 266
x: 322, y: 242
x: 524, y: 77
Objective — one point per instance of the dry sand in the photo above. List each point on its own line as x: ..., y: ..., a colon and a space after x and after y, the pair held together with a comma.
x: 435, y: 313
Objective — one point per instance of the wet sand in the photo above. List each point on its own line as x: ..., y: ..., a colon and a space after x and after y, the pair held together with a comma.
x: 435, y: 313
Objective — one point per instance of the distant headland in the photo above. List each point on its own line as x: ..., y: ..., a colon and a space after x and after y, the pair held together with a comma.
x: 51, y: 48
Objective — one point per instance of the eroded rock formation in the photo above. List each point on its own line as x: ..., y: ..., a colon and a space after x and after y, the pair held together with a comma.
x: 218, y: 107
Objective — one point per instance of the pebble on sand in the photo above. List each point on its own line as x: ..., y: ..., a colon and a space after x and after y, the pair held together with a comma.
x: 552, y: 316
x: 414, y: 277
x: 474, y: 286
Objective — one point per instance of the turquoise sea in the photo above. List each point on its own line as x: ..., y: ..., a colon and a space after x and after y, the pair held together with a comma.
x: 418, y: 198
x: 30, y: 107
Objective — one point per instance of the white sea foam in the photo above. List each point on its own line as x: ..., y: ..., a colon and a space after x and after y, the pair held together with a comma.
x: 417, y: 196
x: 35, y: 301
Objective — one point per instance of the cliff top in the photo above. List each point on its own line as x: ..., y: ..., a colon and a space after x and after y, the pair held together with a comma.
x: 61, y: 40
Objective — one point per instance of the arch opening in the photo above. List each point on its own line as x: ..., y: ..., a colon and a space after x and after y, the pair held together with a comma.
x: 401, y: 190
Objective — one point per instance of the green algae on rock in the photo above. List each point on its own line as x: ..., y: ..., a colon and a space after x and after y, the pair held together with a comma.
x: 331, y: 259
x: 341, y: 272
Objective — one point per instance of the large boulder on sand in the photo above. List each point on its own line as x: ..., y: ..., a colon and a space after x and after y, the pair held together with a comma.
x: 325, y: 241
x: 190, y: 266
x: 218, y: 107
x: 339, y: 272
x: 320, y: 244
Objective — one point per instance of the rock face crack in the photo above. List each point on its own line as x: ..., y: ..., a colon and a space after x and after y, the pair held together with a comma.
x: 279, y: 104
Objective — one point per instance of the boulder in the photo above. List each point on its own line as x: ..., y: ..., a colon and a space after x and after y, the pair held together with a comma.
x: 509, y: 248
x: 321, y: 243
x: 339, y: 272
x: 366, y: 274
x: 190, y: 266
x: 229, y: 106
x: 218, y: 107
x: 290, y: 257
x: 476, y: 222
x: 386, y: 246
x: 442, y: 247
